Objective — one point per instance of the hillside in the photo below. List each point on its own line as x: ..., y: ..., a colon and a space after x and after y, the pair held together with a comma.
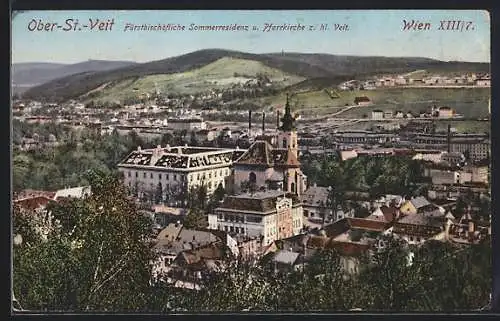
x: 329, y: 68
x: 30, y: 74
x: 222, y: 73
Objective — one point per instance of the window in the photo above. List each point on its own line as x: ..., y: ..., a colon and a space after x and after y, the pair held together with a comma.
x: 221, y: 172
x: 210, y: 175
x: 159, y: 176
x: 175, y: 177
x: 151, y: 175
x: 215, y: 173
x: 136, y: 174
x: 167, y: 177
x: 144, y: 175
x: 231, y: 229
x: 128, y: 174
x: 284, y: 142
x: 198, y: 176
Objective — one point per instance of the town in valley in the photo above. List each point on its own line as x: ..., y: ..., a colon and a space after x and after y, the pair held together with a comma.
x: 224, y: 181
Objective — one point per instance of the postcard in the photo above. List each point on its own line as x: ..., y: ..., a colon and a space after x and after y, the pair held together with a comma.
x: 251, y: 160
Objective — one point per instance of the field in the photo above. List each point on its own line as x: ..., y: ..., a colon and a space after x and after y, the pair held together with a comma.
x: 222, y: 73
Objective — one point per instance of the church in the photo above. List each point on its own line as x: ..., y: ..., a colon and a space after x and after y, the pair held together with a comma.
x: 267, y: 184
x: 271, y: 163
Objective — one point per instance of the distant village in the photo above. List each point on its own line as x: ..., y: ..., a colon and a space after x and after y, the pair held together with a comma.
x: 410, y: 80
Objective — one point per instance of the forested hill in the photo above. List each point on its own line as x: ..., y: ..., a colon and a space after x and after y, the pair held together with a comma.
x: 309, y: 66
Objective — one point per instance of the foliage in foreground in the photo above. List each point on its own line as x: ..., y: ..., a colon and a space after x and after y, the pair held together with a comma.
x: 94, y: 255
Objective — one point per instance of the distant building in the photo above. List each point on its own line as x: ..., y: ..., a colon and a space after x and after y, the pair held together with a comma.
x: 483, y: 82
x: 388, y: 114
x: 188, y: 124
x: 414, y: 205
x: 362, y: 101
x: 445, y: 112
x: 453, y: 158
x: 377, y: 114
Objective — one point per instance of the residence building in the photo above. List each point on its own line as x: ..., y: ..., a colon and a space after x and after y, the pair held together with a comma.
x: 174, y: 170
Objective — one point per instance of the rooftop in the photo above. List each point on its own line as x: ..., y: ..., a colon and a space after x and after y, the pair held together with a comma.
x: 182, y: 157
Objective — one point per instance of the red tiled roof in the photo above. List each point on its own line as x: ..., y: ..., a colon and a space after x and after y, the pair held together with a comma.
x: 29, y: 193
x: 33, y: 203
x: 348, y: 248
x: 360, y: 223
x: 390, y: 213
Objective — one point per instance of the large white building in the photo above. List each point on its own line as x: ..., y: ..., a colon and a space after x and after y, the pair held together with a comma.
x: 174, y: 170
x: 188, y: 124
x: 271, y: 215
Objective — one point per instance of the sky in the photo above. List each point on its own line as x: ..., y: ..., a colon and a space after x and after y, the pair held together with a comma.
x: 370, y: 33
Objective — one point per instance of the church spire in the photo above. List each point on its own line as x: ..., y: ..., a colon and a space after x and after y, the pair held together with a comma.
x: 287, y: 120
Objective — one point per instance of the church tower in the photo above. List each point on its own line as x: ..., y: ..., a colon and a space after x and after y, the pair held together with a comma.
x: 287, y: 133
x: 293, y: 178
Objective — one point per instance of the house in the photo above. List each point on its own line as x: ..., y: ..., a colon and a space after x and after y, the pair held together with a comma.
x: 315, y: 204
x: 192, y: 266
x: 285, y: 260
x: 386, y: 214
x: 446, y: 112
x: 399, y: 114
x: 388, y: 114
x: 74, y: 192
x: 377, y: 114
x: 453, y: 158
x: 483, y: 82
x: 422, y: 226
x: 414, y: 205
x: 467, y: 231
x: 348, y: 154
x: 362, y: 101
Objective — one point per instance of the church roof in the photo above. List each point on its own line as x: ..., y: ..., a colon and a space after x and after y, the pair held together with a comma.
x: 259, y: 153
x: 262, y: 153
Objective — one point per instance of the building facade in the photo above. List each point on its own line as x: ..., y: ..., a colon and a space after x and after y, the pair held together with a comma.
x: 270, y: 215
x: 174, y: 170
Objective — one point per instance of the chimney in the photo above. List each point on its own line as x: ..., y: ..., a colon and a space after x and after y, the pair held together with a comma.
x: 249, y: 122
x: 277, y: 119
x: 263, y: 123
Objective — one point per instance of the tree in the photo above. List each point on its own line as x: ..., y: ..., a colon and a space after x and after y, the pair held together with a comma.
x: 195, y: 219
x: 98, y: 260
x: 159, y: 194
x: 216, y: 197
